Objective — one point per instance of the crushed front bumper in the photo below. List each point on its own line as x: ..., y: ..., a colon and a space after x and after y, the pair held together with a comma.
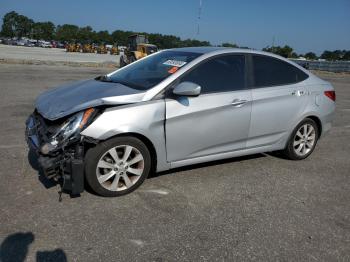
x: 66, y: 163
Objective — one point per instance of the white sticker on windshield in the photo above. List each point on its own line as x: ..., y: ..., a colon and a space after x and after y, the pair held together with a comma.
x: 174, y: 63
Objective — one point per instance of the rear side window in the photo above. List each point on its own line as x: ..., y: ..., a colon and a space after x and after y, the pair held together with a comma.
x: 269, y: 71
x: 219, y: 74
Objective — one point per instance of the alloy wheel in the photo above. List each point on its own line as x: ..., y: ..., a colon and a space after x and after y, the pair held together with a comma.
x: 120, y: 168
x: 304, y: 139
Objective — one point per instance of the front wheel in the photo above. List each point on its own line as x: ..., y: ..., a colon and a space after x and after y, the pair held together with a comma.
x: 117, y: 166
x: 302, y: 141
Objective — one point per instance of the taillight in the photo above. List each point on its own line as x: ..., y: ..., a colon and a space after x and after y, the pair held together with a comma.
x: 330, y: 95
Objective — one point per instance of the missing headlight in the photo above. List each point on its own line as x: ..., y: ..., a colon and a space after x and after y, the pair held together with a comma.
x: 69, y: 130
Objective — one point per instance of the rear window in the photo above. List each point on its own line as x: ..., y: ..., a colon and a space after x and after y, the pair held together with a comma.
x: 269, y: 71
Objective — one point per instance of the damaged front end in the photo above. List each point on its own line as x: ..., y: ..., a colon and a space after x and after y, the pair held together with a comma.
x: 60, y: 147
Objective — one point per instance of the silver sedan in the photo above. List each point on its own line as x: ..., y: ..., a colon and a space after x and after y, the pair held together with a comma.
x: 175, y: 108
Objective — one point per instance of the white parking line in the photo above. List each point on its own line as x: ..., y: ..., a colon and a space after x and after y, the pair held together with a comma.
x: 10, y: 146
x: 157, y: 191
x: 137, y: 242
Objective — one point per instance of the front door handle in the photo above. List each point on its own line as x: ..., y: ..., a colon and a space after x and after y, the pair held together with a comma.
x: 238, y: 102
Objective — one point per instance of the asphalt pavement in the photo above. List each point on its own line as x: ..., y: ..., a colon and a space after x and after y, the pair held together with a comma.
x: 260, y: 207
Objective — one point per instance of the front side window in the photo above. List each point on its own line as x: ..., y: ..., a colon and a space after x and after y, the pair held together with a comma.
x: 150, y: 71
x: 269, y: 71
x: 219, y: 74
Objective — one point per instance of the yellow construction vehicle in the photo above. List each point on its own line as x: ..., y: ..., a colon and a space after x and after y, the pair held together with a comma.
x: 70, y: 47
x: 88, y: 48
x: 102, y: 49
x: 114, y: 50
x: 73, y: 48
x: 138, y: 47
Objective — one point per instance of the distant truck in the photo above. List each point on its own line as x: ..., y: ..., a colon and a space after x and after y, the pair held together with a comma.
x: 138, y: 47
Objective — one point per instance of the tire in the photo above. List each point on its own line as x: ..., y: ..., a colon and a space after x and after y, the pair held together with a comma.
x: 132, y: 59
x: 300, y: 146
x: 109, y: 167
x: 122, y: 62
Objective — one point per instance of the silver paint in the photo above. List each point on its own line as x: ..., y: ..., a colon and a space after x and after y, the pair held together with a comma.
x: 74, y: 97
x: 189, y: 130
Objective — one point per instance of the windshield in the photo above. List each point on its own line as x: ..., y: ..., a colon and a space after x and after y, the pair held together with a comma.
x: 150, y: 71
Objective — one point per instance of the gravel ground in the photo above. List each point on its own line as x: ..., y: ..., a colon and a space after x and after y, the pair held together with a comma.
x: 38, y: 55
x: 260, y: 207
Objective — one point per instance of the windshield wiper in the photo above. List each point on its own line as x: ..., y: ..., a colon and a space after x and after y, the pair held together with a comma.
x: 104, y: 78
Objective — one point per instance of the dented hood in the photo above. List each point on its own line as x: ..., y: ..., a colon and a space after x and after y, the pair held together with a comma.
x: 77, y: 96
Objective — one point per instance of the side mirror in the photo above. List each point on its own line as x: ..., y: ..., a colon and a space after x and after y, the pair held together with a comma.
x: 187, y: 89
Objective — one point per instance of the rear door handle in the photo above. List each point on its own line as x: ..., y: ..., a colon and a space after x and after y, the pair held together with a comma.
x: 238, y: 102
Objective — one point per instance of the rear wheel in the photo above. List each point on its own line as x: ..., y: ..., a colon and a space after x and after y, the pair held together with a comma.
x: 122, y: 62
x: 303, y: 140
x: 117, y: 166
x: 132, y: 59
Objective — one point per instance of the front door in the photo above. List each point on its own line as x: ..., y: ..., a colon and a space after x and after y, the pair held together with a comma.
x: 217, y: 121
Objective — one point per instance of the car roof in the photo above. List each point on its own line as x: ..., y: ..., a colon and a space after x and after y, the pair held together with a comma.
x: 211, y: 51
x: 207, y: 52
x: 222, y: 50
x: 199, y: 49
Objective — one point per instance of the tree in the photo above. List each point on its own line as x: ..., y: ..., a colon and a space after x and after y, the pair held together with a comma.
x: 121, y: 37
x: 194, y: 42
x: 164, y: 41
x: 9, y: 24
x: 329, y: 55
x: 43, y: 30
x: 16, y: 25
x: 102, y: 37
x: 294, y: 55
x: 229, y: 45
x: 346, y: 56
x: 285, y: 51
x: 85, y: 34
x: 310, y: 56
x: 24, y: 26
x: 67, y: 32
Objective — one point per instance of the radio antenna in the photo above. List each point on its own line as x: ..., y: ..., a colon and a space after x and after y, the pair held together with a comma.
x: 199, y: 15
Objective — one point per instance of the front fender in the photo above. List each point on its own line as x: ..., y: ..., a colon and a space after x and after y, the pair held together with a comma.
x: 144, y: 118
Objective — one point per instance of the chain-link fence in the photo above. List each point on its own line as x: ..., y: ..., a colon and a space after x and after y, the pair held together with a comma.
x: 331, y: 66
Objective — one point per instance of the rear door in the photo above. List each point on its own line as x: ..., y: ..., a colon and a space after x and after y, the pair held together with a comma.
x: 218, y: 119
x: 279, y: 97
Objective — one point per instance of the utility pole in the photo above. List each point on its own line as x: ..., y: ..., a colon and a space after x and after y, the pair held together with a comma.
x: 199, y: 15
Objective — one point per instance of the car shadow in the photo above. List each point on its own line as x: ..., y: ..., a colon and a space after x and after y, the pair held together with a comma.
x: 48, y: 183
x: 190, y: 167
x: 33, y: 161
x: 15, y: 248
x: 206, y: 164
x: 277, y: 154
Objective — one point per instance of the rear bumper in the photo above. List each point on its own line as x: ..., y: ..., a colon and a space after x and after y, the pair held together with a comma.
x: 68, y: 165
x: 327, y: 122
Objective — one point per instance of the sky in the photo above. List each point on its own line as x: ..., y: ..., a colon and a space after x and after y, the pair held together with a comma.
x: 305, y: 25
